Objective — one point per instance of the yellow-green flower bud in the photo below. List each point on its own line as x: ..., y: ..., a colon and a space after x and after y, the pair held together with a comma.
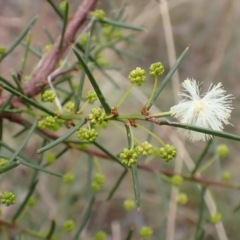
x: 69, y: 107
x: 216, y: 218
x: 182, y: 198
x: 144, y: 149
x: 63, y: 5
x: 99, y: 14
x: 146, y: 232
x: 168, y: 152
x: 99, y: 178
x: 68, y: 178
x: 156, y: 69
x: 50, y: 158
x: 87, y: 134
x: 129, y: 204
x: 222, y: 150
x: 48, y: 96
x: 97, y: 116
x: 31, y: 202
x: 100, y: 236
x: 226, y: 176
x: 137, y: 76
x: 177, y: 180
x: 91, y: 96
x: 68, y: 225
x: 2, y: 50
x: 47, y: 48
x: 95, y: 186
x: 3, y: 162
x: 8, y: 198
x: 128, y: 157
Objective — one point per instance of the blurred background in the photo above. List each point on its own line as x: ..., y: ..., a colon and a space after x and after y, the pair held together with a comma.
x: 211, y: 29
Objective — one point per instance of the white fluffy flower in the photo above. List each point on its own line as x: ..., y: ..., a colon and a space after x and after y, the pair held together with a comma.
x: 210, y: 110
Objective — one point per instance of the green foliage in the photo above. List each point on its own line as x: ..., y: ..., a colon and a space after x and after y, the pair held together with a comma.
x: 87, y: 141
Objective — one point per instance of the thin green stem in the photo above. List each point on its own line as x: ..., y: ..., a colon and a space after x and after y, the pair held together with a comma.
x: 29, y: 37
x: 208, y: 164
x: 162, y: 114
x: 124, y: 96
x: 152, y: 134
x: 153, y: 91
x: 97, y: 165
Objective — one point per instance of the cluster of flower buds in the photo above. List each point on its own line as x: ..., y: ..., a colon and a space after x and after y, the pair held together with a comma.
x: 168, y: 152
x: 177, y: 180
x: 128, y: 157
x: 48, y: 96
x: 69, y: 107
x: 146, y: 232
x: 7, y: 198
x: 3, y: 162
x: 91, y: 96
x: 99, y: 14
x: 97, y: 116
x: 50, y: 123
x: 68, y: 178
x: 182, y: 198
x: 144, y: 149
x: 68, y: 225
x: 100, y: 235
x: 137, y: 76
x: 97, y: 182
x: 156, y: 69
x: 87, y: 134
x: 129, y: 204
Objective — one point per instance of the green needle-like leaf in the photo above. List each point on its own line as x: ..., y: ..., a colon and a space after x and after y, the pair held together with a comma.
x: 24, y: 142
x: 121, y: 25
x: 65, y: 20
x: 62, y: 138
x: 19, y: 38
x: 160, y: 235
x: 136, y: 185
x: 28, y: 100
x: 199, y: 129
x: 168, y: 77
x: 110, y: 155
x: 93, y: 82
x: 6, y: 104
x: 25, y: 201
x: 203, y: 154
x: 51, y: 230
x: 129, y: 236
x: 117, y: 185
x: 86, y: 217
x: 9, y: 167
x: 56, y: 8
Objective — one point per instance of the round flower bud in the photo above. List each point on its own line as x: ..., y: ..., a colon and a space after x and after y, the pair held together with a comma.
x: 97, y: 116
x: 128, y: 157
x: 2, y: 50
x: 226, y: 176
x: 95, y: 186
x: 144, y: 149
x: 100, y: 235
x: 48, y: 96
x: 216, y: 218
x: 62, y: 6
x: 222, y: 150
x: 50, y: 158
x: 168, y: 152
x: 31, y: 202
x: 129, y: 204
x: 101, y: 61
x: 69, y: 107
x: 91, y: 96
x: 68, y: 178
x: 146, y: 232
x: 99, y: 178
x: 68, y: 225
x: 3, y: 162
x: 99, y: 14
x: 47, y: 48
x: 177, y: 180
x: 137, y: 76
x: 8, y: 198
x: 87, y: 134
x: 156, y: 69
x: 182, y: 198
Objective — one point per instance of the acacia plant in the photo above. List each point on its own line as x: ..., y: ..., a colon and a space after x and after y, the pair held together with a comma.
x: 62, y: 110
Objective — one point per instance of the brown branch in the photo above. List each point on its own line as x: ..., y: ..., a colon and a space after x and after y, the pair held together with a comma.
x: 50, y: 61
x: 20, y: 120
